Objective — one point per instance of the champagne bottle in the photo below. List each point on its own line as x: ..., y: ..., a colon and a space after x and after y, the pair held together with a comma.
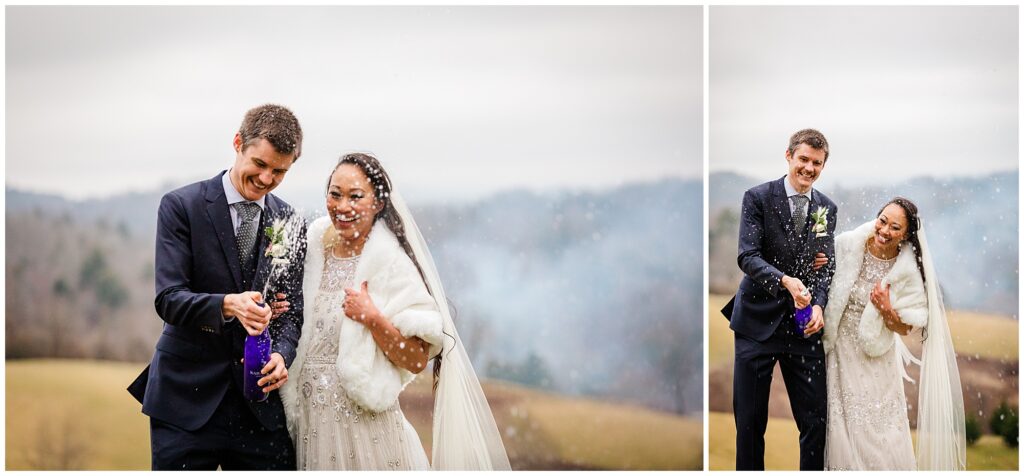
x: 803, y: 316
x: 257, y: 355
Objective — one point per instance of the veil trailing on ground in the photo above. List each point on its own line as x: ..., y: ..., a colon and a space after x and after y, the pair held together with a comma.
x: 465, y: 436
x: 941, y: 437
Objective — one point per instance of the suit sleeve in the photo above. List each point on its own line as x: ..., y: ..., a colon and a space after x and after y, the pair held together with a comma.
x: 823, y: 276
x: 287, y: 327
x: 175, y: 302
x: 751, y: 240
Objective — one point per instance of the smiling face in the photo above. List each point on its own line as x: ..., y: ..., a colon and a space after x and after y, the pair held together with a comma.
x: 259, y: 168
x: 351, y: 203
x: 890, y: 228
x: 805, y: 164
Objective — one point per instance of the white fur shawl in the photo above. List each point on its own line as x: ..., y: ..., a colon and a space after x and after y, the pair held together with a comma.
x: 907, y: 293
x: 398, y: 291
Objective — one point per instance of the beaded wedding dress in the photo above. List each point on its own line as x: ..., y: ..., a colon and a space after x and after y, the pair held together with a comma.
x: 868, y: 425
x: 867, y: 410
x: 337, y: 434
x: 329, y: 429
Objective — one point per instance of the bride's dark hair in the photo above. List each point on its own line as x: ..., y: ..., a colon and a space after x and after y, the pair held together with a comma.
x: 913, y: 225
x: 381, y: 184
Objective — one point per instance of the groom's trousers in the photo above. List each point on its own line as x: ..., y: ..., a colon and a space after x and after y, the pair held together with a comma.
x: 233, y: 439
x: 802, y: 361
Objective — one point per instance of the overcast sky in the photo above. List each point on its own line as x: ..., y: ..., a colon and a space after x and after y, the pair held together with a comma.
x: 457, y: 102
x: 898, y: 91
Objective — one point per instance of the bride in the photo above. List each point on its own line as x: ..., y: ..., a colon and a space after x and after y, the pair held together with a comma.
x: 375, y: 314
x: 885, y: 284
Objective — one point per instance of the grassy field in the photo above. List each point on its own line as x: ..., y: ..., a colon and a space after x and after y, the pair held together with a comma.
x: 617, y: 436
x: 74, y: 415
x: 984, y: 335
x: 782, y: 451
x: 77, y: 415
x: 720, y: 337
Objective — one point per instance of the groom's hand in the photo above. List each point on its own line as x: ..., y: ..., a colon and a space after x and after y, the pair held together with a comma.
x: 275, y: 374
x: 817, y: 321
x: 796, y: 288
x: 247, y: 309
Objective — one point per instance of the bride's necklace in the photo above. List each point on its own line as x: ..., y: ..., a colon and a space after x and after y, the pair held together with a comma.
x: 334, y: 254
x: 877, y: 254
x: 347, y: 252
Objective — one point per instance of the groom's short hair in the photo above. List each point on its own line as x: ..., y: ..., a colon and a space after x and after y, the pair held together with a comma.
x: 811, y: 137
x: 274, y: 123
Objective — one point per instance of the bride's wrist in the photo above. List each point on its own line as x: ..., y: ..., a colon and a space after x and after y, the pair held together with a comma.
x: 890, y: 316
x: 373, y: 319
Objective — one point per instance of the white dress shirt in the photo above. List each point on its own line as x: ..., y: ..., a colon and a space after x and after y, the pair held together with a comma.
x: 790, y: 191
x: 234, y: 197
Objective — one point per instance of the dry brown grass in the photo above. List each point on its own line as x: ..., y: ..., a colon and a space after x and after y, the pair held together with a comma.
x: 78, y: 406
x: 71, y: 414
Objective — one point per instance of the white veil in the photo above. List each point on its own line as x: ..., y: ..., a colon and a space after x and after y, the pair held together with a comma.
x: 941, y: 437
x: 465, y: 436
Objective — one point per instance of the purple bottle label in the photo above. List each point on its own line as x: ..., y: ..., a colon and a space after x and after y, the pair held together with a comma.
x: 257, y: 355
x: 802, y: 318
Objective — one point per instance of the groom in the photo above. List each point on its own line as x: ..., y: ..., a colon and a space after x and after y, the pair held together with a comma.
x: 777, y: 247
x: 209, y: 258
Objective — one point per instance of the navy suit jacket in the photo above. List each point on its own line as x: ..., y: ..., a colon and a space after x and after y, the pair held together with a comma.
x: 769, y: 249
x: 197, y: 355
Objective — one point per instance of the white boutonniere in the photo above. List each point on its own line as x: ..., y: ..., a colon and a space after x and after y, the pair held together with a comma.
x: 279, y: 242
x: 820, y: 217
x: 285, y: 236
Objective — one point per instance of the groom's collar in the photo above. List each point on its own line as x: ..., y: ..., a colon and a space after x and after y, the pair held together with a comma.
x: 232, y: 194
x: 790, y: 191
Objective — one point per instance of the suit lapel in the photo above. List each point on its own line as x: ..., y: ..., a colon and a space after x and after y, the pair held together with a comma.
x: 262, y: 261
x: 781, y: 204
x: 219, y: 215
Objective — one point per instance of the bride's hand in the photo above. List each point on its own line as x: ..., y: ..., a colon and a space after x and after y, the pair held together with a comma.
x: 880, y: 298
x: 359, y: 307
x: 891, y: 318
x: 279, y: 305
x: 820, y: 260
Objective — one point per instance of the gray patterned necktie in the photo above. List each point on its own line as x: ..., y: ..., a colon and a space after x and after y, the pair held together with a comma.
x: 799, y: 213
x: 245, y: 237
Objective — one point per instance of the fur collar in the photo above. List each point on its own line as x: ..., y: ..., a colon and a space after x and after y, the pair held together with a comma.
x: 906, y: 293
x: 396, y: 288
